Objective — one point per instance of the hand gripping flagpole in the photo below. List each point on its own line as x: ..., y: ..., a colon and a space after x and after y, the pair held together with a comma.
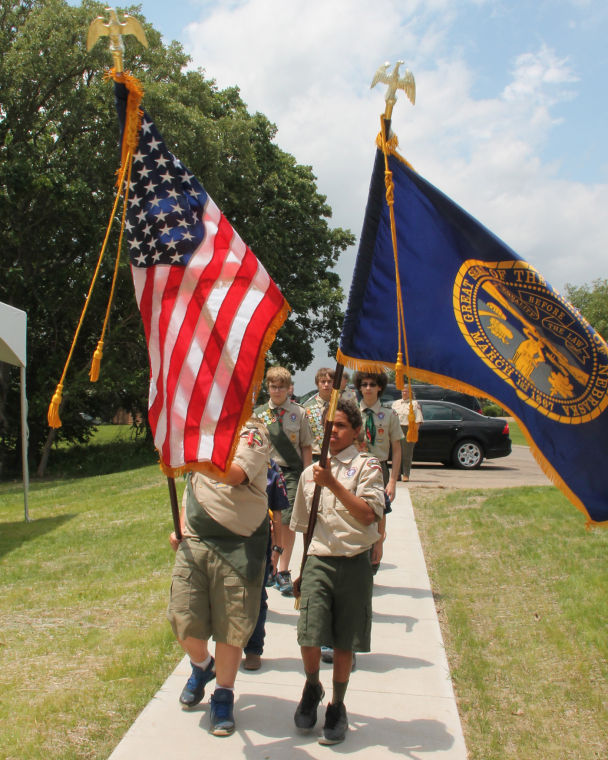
x: 316, y: 497
x: 388, y: 145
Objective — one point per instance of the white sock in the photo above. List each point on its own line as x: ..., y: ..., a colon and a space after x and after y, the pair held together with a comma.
x: 228, y: 688
x: 202, y: 664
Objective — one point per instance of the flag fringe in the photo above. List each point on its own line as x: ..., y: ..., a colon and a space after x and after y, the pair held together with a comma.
x: 209, y: 467
x: 367, y: 365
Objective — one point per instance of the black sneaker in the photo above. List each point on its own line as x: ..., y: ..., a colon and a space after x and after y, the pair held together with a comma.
x: 194, y: 690
x: 306, y: 712
x: 336, y: 724
x: 221, y: 717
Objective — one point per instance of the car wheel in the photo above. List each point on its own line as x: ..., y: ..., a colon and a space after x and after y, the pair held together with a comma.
x: 467, y: 455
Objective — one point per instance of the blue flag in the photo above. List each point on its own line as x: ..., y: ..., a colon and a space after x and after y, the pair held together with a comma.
x: 480, y: 319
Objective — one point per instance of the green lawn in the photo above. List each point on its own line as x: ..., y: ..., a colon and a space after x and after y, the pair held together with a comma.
x: 83, y: 590
x: 516, y: 435
x: 521, y: 590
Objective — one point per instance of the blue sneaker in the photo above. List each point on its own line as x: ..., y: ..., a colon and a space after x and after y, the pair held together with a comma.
x: 221, y: 716
x: 284, y: 584
x: 194, y: 690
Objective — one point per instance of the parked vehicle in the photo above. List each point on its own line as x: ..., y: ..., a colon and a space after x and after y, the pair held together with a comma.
x: 452, y: 434
x: 433, y: 393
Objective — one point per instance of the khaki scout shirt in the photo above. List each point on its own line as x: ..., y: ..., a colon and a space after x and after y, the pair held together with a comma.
x: 403, y: 410
x: 314, y: 408
x: 295, y: 426
x: 337, y: 533
x: 388, y: 429
x: 348, y: 394
x: 240, y: 508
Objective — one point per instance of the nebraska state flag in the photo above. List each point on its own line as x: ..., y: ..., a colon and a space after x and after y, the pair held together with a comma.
x: 478, y: 318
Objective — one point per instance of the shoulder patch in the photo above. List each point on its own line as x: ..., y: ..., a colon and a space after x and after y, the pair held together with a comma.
x: 254, y: 438
x: 373, y: 463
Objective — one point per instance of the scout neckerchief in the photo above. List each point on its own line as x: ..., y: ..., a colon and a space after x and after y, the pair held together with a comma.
x: 370, y: 427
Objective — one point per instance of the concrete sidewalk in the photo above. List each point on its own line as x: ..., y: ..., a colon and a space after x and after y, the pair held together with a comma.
x: 399, y: 701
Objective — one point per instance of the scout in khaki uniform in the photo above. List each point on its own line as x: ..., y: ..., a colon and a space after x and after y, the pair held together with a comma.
x: 317, y: 404
x: 382, y: 436
x: 348, y: 394
x: 291, y: 448
x: 337, y: 582
x: 381, y: 427
x: 219, y: 572
x: 402, y: 407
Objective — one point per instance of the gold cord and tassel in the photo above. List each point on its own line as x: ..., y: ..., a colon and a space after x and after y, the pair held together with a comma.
x: 402, y: 372
x: 130, y: 138
x: 97, y: 356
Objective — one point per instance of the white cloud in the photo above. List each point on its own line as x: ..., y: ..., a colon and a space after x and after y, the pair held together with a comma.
x: 307, y: 66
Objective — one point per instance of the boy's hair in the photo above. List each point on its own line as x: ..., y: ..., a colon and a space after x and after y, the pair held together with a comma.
x: 324, y: 372
x: 351, y: 410
x: 278, y: 376
x: 379, y: 377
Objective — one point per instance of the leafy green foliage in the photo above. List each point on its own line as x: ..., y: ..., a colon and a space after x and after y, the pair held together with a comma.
x: 58, y: 156
x: 592, y: 302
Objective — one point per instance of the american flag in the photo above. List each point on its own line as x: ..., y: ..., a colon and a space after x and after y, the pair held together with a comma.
x: 209, y: 308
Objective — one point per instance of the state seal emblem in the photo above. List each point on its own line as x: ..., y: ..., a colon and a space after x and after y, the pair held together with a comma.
x: 532, y: 338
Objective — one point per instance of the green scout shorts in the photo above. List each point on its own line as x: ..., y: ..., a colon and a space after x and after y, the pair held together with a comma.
x: 336, y: 603
x: 292, y: 478
x: 208, y: 598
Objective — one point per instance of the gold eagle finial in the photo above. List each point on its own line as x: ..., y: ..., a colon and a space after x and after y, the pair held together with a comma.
x: 114, y: 29
x: 395, y: 82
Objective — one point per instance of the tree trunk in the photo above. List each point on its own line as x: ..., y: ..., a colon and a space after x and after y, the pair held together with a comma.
x: 46, y: 450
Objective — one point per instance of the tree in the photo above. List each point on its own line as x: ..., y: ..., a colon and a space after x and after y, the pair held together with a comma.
x: 592, y: 302
x: 58, y: 156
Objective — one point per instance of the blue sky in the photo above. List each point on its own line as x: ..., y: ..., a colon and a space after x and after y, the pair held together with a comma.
x: 510, y: 117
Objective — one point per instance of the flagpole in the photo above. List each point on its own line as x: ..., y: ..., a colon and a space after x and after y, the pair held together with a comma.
x: 177, y: 526
x: 314, y: 507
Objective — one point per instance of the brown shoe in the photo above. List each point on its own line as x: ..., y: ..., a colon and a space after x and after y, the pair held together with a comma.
x: 252, y: 661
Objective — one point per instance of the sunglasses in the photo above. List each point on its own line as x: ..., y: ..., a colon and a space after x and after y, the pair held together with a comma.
x: 369, y: 385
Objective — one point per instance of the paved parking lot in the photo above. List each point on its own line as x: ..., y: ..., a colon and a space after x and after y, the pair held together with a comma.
x: 518, y: 469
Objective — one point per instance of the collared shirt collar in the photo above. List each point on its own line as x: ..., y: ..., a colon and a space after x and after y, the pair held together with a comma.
x: 375, y: 407
x: 346, y: 455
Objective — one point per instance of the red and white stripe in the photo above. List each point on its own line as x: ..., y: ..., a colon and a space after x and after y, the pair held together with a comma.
x: 205, y: 325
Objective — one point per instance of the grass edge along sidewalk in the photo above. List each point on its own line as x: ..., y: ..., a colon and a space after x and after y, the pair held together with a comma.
x: 521, y: 594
